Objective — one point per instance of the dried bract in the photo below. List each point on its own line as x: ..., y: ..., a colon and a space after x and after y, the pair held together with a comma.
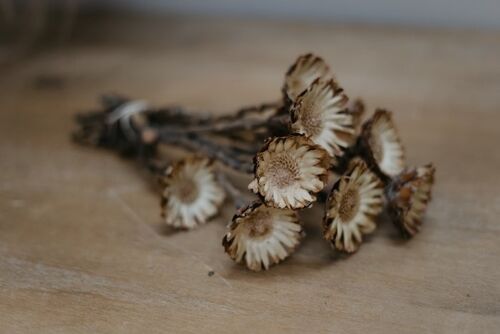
x: 302, y: 73
x: 261, y: 236
x: 356, y: 199
x: 289, y: 171
x: 382, y: 144
x: 191, y: 194
x: 357, y: 110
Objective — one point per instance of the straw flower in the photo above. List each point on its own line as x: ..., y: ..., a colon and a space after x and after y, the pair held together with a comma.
x: 383, y: 144
x: 261, y: 236
x: 320, y: 113
x: 302, y: 73
x: 410, y: 196
x: 355, y: 201
x: 289, y: 171
x: 191, y: 194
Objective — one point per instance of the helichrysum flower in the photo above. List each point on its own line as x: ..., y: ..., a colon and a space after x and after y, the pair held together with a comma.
x: 355, y: 201
x: 302, y: 73
x: 191, y: 194
x: 320, y: 113
x: 383, y: 144
x: 409, y: 198
x: 261, y: 236
x: 289, y: 171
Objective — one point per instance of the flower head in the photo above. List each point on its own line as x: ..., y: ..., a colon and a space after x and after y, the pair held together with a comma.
x: 261, y: 236
x: 320, y: 113
x: 191, y: 194
x: 289, y: 171
x: 302, y: 73
x: 410, y: 196
x: 356, y: 199
x: 383, y: 144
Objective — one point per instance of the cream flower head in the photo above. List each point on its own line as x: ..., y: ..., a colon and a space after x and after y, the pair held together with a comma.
x: 383, y: 144
x: 320, y: 113
x: 302, y: 73
x: 261, y: 236
x: 289, y: 171
x: 191, y: 194
x: 356, y: 199
x: 410, y: 196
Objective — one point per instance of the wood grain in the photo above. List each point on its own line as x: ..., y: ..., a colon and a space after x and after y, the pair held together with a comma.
x: 82, y: 246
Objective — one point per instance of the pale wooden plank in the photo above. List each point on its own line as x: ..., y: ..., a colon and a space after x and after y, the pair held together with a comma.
x: 82, y: 246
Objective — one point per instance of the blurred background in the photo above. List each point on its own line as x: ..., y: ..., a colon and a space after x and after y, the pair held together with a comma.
x: 27, y: 24
x: 481, y: 13
x: 165, y: 50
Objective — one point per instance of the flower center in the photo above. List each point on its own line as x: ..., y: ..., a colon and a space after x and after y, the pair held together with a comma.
x: 283, y: 170
x: 349, y: 205
x: 311, y: 122
x: 186, y: 190
x: 260, y: 224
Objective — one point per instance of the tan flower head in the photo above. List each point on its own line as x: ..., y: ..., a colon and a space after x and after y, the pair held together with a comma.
x: 289, y: 171
x: 320, y: 113
x: 302, y: 73
x: 261, y: 236
x: 191, y: 194
x: 383, y: 143
x: 410, y: 196
x: 356, y: 199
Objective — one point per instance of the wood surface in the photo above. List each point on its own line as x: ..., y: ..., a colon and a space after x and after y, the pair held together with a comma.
x: 82, y: 245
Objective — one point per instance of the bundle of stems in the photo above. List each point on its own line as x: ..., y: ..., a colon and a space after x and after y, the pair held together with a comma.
x: 134, y: 129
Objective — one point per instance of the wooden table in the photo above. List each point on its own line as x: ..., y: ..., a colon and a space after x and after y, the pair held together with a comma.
x: 82, y: 246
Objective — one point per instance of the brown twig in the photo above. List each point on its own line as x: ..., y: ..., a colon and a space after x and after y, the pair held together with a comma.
x: 239, y: 199
x: 200, y: 144
x: 249, y: 110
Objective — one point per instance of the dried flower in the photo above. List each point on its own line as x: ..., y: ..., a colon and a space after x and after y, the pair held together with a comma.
x: 302, y: 73
x: 320, y: 113
x: 261, y: 236
x: 289, y: 171
x: 409, y: 197
x: 191, y: 194
x: 382, y: 143
x: 356, y: 199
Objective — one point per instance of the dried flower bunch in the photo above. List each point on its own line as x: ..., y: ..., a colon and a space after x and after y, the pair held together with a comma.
x: 294, y: 148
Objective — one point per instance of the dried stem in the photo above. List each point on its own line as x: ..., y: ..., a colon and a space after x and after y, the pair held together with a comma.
x: 237, y: 196
x: 256, y: 110
x: 133, y: 128
x: 200, y: 144
x: 241, y: 124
